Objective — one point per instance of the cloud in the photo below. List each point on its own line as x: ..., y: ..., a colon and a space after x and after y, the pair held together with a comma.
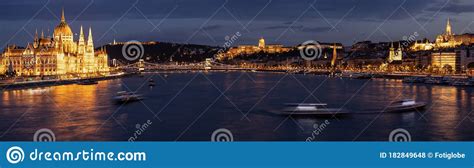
x: 317, y: 29
x: 212, y: 27
x: 454, y: 7
x: 300, y: 28
x: 276, y: 10
x: 178, y: 18
x: 294, y: 27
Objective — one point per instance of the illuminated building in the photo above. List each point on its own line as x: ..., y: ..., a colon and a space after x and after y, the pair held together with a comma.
x: 252, y: 49
x: 423, y: 46
x: 466, y: 55
x: 460, y: 60
x: 395, y: 55
x: 446, y: 61
x: 58, y: 55
x: 446, y: 40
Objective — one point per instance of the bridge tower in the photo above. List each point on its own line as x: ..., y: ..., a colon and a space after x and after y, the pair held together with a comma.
x: 141, y: 65
x: 207, y: 64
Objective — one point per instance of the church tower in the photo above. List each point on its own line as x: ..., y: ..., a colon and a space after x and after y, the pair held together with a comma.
x: 391, y: 53
x: 448, y: 28
x: 399, y: 53
x: 395, y: 55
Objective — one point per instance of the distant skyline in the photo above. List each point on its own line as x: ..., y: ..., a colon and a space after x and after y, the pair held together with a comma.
x: 209, y: 21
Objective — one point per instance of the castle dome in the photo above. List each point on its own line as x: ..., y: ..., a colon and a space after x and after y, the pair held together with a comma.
x: 63, y: 28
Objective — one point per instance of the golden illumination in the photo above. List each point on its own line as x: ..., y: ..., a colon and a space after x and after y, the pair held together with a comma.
x: 395, y: 55
x: 446, y: 40
x: 444, y: 60
x: 59, y: 55
x: 252, y: 49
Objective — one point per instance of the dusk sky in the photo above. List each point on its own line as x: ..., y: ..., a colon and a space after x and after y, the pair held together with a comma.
x: 288, y: 22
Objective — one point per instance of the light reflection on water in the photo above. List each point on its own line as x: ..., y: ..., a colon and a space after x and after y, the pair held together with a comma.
x: 190, y: 107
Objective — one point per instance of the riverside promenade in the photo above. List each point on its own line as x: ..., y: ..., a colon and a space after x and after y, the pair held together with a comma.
x: 6, y: 85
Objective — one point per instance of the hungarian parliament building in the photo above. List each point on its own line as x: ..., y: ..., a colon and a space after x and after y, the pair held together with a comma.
x: 58, y: 55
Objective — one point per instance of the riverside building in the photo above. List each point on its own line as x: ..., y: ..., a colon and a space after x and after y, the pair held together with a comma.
x: 56, y: 55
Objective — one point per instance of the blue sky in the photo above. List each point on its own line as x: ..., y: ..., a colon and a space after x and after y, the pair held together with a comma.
x: 288, y: 22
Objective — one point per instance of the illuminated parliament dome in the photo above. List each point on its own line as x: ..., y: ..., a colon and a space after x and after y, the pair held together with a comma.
x: 63, y: 28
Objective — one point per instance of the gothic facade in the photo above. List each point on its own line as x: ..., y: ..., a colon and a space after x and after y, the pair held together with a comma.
x: 58, y: 55
x: 446, y: 40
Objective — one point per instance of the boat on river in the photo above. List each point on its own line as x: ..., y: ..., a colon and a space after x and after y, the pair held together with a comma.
x: 310, y: 109
x: 127, y: 97
x: 151, y: 83
x: 405, y: 105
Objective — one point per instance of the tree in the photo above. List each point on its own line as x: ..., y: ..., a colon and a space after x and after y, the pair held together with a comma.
x: 447, y: 69
x: 10, y: 71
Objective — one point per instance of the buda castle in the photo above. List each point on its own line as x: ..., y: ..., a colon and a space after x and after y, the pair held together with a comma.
x: 253, y: 49
x: 58, y: 55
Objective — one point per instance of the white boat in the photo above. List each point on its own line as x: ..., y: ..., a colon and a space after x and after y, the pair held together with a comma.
x: 127, y: 97
x: 151, y: 82
x: 405, y: 105
x: 310, y: 109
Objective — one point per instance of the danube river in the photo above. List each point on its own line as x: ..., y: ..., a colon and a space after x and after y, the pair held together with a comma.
x: 191, y: 106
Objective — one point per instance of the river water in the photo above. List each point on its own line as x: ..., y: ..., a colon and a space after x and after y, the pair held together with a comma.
x: 191, y: 106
